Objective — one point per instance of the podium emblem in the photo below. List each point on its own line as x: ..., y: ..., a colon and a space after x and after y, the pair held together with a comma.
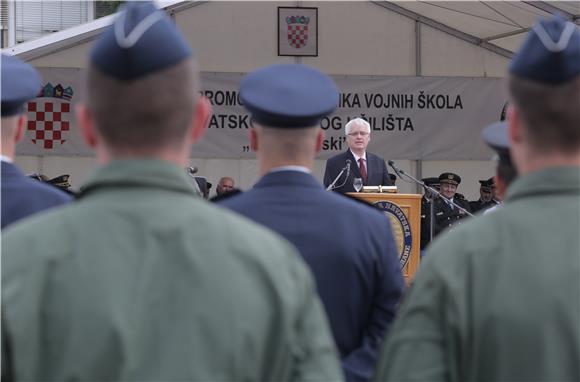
x: 401, y: 230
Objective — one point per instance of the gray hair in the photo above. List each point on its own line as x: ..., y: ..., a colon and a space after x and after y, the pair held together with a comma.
x: 356, y: 122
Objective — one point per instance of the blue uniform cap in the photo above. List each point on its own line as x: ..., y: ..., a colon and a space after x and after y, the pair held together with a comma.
x: 141, y: 40
x: 550, y: 54
x: 289, y: 95
x: 20, y: 83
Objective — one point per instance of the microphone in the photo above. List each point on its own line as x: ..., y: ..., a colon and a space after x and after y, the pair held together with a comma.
x: 398, y: 171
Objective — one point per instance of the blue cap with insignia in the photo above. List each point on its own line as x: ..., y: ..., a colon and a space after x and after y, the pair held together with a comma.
x: 20, y: 83
x: 289, y: 95
x: 141, y: 40
x: 550, y: 54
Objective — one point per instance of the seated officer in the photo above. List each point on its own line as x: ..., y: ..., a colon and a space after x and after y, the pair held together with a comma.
x: 446, y: 214
x: 138, y: 280
x: 486, y: 193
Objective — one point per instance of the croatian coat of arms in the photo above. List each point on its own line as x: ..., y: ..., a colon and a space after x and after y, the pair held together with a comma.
x: 49, y: 116
x: 297, y: 31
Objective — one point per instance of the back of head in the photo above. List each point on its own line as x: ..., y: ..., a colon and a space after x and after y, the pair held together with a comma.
x: 142, y: 82
x: 287, y: 101
x: 545, y: 86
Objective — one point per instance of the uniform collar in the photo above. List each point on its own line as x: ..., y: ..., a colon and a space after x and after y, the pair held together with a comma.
x: 288, y: 178
x: 6, y: 159
x: 151, y: 173
x: 555, y: 180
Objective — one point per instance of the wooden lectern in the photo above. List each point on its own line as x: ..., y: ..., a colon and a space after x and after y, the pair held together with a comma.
x: 404, y: 211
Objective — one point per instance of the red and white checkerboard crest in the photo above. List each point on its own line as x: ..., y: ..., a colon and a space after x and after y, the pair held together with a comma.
x: 297, y: 30
x: 49, y: 116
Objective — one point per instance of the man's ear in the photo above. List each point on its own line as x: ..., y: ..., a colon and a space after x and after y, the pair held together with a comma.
x: 201, y: 117
x: 319, y: 140
x: 253, y: 139
x: 515, y: 132
x: 87, y: 125
x: 20, y: 127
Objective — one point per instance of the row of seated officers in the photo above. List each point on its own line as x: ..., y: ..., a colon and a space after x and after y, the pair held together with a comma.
x: 139, y: 279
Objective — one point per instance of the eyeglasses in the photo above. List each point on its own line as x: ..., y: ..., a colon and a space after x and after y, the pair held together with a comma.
x: 361, y: 133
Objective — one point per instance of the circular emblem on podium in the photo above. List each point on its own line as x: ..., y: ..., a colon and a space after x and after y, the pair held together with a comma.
x: 401, y: 229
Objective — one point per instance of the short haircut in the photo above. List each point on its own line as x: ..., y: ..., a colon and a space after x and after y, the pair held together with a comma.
x: 356, y: 122
x: 146, y: 114
x: 550, y: 113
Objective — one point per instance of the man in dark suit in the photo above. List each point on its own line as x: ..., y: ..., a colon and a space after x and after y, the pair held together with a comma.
x: 21, y: 195
x: 353, y: 259
x: 358, y: 162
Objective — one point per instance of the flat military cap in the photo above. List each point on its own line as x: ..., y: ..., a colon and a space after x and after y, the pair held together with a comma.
x: 496, y: 137
x: 60, y: 181
x: 289, y: 95
x: 487, y: 184
x: 449, y: 177
x: 20, y: 83
x: 142, y: 40
x: 550, y: 53
x: 431, y: 182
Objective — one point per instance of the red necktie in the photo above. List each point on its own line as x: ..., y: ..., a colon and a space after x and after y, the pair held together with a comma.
x: 363, y: 170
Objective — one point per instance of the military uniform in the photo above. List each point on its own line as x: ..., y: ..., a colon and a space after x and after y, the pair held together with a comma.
x: 142, y: 290
x: 511, y: 263
x: 446, y: 215
x: 480, y: 205
x: 142, y: 280
x: 426, y: 212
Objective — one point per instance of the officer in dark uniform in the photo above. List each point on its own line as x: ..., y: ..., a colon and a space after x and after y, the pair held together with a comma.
x: 426, y: 210
x: 447, y: 215
x: 485, y: 201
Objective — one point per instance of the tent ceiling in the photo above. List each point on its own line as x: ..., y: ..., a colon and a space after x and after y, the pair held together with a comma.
x: 487, y: 23
x: 498, y: 26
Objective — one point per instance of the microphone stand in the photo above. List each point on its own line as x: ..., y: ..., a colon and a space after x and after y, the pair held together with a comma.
x: 435, y: 194
x: 345, y: 168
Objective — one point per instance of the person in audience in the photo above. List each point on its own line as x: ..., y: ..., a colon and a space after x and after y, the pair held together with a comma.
x: 498, y: 299
x: 446, y: 214
x: 486, y: 192
x: 426, y: 200
x: 348, y: 246
x: 360, y: 163
x: 138, y: 280
x: 21, y: 196
x: 225, y: 185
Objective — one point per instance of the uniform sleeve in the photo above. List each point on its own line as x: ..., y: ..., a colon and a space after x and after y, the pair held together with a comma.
x: 359, y: 365
x: 315, y: 354
x: 415, y: 347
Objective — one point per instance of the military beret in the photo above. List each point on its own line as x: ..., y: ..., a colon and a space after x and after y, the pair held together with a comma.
x: 141, y: 41
x: 431, y: 182
x: 289, y: 95
x: 20, y: 83
x: 550, y: 53
x: 449, y: 177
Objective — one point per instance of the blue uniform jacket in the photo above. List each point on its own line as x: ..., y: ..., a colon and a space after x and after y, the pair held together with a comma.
x: 377, y: 174
x: 350, y: 250
x: 23, y: 196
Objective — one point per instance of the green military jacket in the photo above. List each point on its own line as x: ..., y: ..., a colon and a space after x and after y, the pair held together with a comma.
x: 142, y: 280
x: 498, y: 299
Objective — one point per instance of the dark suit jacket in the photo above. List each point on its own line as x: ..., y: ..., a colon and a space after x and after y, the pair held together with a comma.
x: 23, y: 196
x: 377, y: 174
x: 350, y: 250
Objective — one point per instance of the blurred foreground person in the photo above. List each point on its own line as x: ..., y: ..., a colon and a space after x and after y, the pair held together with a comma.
x: 348, y: 245
x: 21, y: 196
x: 139, y: 280
x: 499, y: 299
